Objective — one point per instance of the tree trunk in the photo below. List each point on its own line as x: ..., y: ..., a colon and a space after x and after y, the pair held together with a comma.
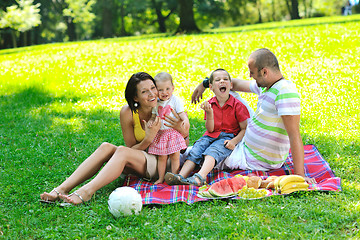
x: 71, y: 30
x: 305, y: 8
x: 310, y: 9
x: 6, y: 39
x: 273, y: 10
x: 35, y: 36
x: 122, y: 19
x: 258, y: 3
x: 25, y: 35
x: 186, y: 14
x: 107, y: 18
x: 13, y: 37
x: 288, y: 7
x: 160, y: 17
x: 295, y: 9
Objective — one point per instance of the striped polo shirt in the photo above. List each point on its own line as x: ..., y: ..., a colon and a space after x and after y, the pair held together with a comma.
x: 266, y: 140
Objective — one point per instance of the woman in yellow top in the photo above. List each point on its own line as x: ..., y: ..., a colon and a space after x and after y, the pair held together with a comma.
x: 138, y: 132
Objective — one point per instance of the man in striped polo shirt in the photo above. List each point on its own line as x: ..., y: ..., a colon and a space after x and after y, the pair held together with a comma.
x: 274, y: 127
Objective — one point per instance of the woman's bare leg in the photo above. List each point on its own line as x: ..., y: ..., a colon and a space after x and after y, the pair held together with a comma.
x: 131, y: 159
x: 86, y: 170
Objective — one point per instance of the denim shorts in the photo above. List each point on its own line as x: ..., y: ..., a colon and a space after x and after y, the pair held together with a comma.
x: 210, y: 146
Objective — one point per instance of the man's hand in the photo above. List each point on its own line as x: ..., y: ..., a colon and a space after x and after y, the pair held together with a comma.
x: 310, y: 180
x: 197, y: 94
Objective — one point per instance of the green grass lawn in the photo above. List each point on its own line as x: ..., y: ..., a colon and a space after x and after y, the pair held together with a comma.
x: 59, y: 102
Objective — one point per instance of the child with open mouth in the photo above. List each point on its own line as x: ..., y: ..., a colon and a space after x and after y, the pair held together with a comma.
x: 226, y: 121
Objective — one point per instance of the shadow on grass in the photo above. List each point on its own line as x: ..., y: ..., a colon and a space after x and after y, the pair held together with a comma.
x: 45, y: 144
x: 32, y: 97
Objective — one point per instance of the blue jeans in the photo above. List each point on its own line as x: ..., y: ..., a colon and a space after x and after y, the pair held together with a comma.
x: 213, y: 147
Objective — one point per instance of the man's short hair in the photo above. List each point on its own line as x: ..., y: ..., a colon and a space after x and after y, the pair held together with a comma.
x: 264, y: 58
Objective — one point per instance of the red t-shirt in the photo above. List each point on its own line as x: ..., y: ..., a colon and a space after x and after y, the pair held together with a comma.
x: 227, y: 117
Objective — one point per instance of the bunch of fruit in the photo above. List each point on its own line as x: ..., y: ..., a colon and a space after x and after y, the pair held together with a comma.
x: 290, y: 183
x: 252, y: 193
x: 227, y: 187
x: 253, y: 187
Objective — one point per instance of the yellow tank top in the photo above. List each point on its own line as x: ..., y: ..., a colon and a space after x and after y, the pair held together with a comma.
x: 138, y: 131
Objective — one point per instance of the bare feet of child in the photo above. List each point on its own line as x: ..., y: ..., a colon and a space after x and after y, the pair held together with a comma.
x: 159, y: 181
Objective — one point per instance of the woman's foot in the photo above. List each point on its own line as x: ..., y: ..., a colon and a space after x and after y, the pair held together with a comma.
x: 52, y: 196
x: 76, y: 197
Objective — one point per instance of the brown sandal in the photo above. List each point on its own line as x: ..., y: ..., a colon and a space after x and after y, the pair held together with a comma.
x: 175, y: 179
x: 191, y: 180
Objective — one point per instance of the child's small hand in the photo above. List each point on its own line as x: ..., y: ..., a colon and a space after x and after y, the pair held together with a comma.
x: 150, y: 123
x: 229, y: 144
x: 206, y: 106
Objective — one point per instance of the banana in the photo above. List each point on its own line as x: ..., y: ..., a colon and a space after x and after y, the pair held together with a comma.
x: 243, y: 176
x: 290, y: 178
x: 290, y: 190
x: 294, y: 185
x: 277, y: 181
x: 270, y: 185
x: 272, y: 178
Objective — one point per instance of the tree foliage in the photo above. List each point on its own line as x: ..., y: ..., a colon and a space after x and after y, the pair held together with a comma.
x: 79, y: 12
x: 21, y: 17
x: 71, y: 20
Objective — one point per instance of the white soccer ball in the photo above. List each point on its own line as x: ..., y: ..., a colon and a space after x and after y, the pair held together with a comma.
x: 124, y: 201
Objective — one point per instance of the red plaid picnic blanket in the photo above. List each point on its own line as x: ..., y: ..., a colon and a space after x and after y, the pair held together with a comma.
x: 315, y: 167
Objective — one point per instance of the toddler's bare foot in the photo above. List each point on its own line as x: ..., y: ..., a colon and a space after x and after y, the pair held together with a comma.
x: 159, y: 181
x: 52, y: 196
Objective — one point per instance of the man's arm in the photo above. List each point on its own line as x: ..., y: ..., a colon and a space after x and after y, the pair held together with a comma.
x: 291, y: 123
x: 197, y: 93
x: 238, y: 85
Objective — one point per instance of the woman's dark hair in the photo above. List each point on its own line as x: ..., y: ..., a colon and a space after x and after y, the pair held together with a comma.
x: 131, y: 88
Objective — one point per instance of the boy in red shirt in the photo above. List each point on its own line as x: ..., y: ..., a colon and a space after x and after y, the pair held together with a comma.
x: 226, y: 121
